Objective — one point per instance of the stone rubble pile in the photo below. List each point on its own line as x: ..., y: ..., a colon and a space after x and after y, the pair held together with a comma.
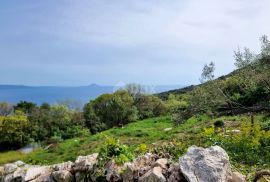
x: 198, y: 165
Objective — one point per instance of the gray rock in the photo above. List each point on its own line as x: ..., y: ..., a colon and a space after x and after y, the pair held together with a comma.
x: 138, y: 167
x: 10, y: 168
x: 62, y: 176
x: 19, y: 163
x: 175, y: 174
x: 154, y: 175
x: 211, y: 165
x: 112, y: 172
x: 8, y: 178
x: 85, y: 163
x: 63, y: 166
x: 79, y: 177
x: 36, y: 171
x: 128, y: 174
x: 238, y: 177
x: 43, y: 178
x: 161, y: 163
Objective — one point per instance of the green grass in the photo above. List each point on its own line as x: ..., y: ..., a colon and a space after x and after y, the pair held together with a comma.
x: 11, y: 156
x: 147, y: 131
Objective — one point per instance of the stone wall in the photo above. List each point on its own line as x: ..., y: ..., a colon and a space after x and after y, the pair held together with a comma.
x: 198, y: 165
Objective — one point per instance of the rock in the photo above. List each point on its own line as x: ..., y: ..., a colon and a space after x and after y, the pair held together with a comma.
x: 264, y: 178
x: 112, y: 172
x: 10, y: 168
x: 167, y: 129
x: 1, y: 171
x: 211, y: 165
x: 79, y: 177
x: 85, y: 163
x: 19, y: 174
x: 8, y: 178
x: 233, y: 131
x: 237, y: 177
x: 138, y: 167
x: 174, y: 174
x: 63, y: 166
x: 154, y: 175
x: 19, y: 163
x: 43, y: 178
x: 161, y: 163
x: 128, y: 174
x: 36, y: 171
x: 62, y: 176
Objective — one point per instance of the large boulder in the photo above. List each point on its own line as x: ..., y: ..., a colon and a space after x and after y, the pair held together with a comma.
x: 211, y: 165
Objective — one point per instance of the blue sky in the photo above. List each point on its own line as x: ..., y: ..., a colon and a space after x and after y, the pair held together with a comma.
x: 68, y: 42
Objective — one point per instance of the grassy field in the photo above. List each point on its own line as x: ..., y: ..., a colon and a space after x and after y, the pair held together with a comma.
x: 150, y: 132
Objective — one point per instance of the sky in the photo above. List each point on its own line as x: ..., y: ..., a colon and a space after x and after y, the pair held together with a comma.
x: 153, y: 42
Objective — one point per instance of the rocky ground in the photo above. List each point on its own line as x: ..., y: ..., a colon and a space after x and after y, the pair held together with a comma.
x: 197, y: 165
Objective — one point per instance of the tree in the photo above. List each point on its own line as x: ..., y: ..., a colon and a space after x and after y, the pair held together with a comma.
x: 149, y: 106
x: 110, y: 110
x: 265, y: 46
x: 135, y: 90
x: 71, y: 104
x: 208, y: 72
x: 5, y: 109
x: 243, y: 59
x: 13, y: 130
x: 92, y: 121
x: 26, y: 107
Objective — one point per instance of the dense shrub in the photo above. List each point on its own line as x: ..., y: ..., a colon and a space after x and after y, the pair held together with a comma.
x: 110, y: 110
x: 149, y: 106
x: 13, y: 130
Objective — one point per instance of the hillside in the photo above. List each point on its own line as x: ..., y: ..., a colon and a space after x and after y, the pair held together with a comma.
x: 158, y: 134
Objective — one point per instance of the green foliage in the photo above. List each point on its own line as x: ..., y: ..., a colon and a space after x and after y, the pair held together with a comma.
x: 176, y: 102
x: 219, y: 123
x: 26, y: 107
x: 149, y: 106
x: 114, y: 150
x: 250, y: 146
x: 110, y: 110
x: 173, y: 149
x: 13, y: 130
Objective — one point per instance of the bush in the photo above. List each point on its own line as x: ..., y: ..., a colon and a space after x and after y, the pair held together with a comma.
x: 250, y: 146
x: 114, y: 150
x: 149, y: 106
x: 219, y: 123
x: 14, y: 130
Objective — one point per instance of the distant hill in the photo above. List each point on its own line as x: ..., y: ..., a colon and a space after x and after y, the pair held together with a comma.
x: 52, y: 94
